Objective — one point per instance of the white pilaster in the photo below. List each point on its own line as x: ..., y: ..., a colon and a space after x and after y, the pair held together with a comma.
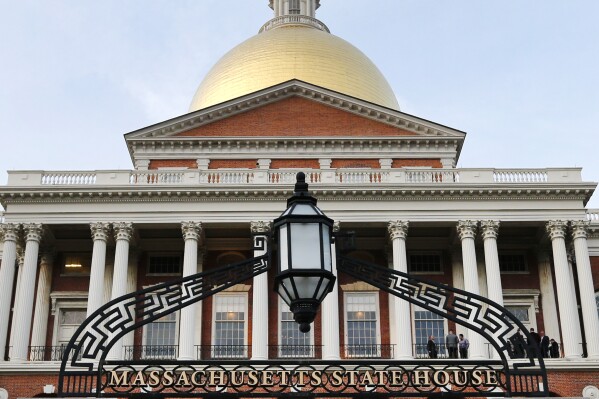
x: 489, y: 230
x: 123, y: 232
x: 260, y: 231
x: 585, y: 286
x: 565, y: 292
x: 108, y: 272
x: 95, y: 298
x: 198, y: 326
x: 191, y: 235
x: 330, y: 313
x: 129, y: 338
x: 575, y: 309
x: 457, y: 275
x: 15, y: 309
x: 467, y: 232
x: 42, y: 301
x: 22, y: 319
x: 10, y: 232
x: 548, y: 303
x: 398, y: 231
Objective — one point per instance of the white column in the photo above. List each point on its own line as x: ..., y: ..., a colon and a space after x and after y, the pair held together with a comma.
x: 95, y: 298
x: 108, y: 271
x: 398, y: 231
x: 10, y: 232
x: 22, y: 319
x: 123, y: 232
x: 457, y: 275
x: 191, y: 235
x: 585, y: 286
x: 565, y: 292
x: 15, y: 310
x: 467, y: 232
x: 489, y: 230
x: 550, y: 319
x: 198, y: 330
x: 575, y: 310
x: 330, y: 313
x: 260, y: 232
x: 42, y: 301
x: 129, y: 338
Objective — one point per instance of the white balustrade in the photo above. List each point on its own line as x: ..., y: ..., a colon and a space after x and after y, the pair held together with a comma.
x: 68, y: 178
x: 227, y: 177
x: 519, y: 176
x: 156, y: 177
x: 361, y: 176
x: 593, y: 215
x: 432, y: 176
x: 288, y: 177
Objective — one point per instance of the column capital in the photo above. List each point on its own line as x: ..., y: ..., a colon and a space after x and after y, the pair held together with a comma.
x: 336, y: 226
x: 556, y: 229
x: 123, y: 231
x: 33, y: 231
x: 398, y: 229
x: 466, y: 229
x: 580, y: 228
x: 10, y: 231
x: 260, y: 227
x: 191, y: 230
x: 100, y: 231
x: 489, y: 228
x: 47, y: 255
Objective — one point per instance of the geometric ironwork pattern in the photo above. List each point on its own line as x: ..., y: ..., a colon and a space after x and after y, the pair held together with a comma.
x: 500, y: 327
x: 93, y: 340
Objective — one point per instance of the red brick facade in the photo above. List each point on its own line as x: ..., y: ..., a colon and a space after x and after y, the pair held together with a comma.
x: 173, y: 163
x: 406, y: 163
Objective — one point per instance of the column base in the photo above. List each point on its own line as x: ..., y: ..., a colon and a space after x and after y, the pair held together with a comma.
x: 593, y: 358
x: 573, y: 358
x: 404, y: 357
x: 186, y: 358
x: 259, y: 358
x: 331, y: 357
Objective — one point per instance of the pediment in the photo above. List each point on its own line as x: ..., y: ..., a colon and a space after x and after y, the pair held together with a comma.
x: 297, y: 109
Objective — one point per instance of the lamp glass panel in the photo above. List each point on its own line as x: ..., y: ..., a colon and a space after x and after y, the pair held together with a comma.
x: 305, y: 248
x: 322, y: 291
x: 305, y: 209
x: 284, y: 287
x: 326, y: 247
x: 306, y: 286
x: 283, y: 249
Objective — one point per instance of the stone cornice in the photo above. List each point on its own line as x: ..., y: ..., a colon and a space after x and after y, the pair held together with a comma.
x: 382, y: 192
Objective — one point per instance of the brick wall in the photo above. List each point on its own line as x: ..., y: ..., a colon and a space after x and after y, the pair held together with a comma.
x: 404, y: 163
x: 595, y: 271
x: 295, y: 163
x: 173, y: 163
x: 296, y: 117
x: 355, y: 163
x: 232, y: 163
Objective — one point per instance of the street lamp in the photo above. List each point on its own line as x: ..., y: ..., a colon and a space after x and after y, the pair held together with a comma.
x: 304, y: 237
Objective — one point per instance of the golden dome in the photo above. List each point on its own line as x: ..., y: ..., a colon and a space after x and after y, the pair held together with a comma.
x: 294, y: 52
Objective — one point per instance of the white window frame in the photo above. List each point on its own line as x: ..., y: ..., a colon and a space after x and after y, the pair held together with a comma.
x: 438, y: 253
x: 515, y: 252
x: 523, y: 301
x: 75, y: 300
x: 439, y: 340
x: 245, y: 312
x: 378, y: 316
x: 283, y: 307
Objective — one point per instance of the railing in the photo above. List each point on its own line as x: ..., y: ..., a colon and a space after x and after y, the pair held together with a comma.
x: 294, y: 351
x: 368, y: 351
x: 68, y: 178
x: 421, y: 351
x: 345, y: 176
x: 46, y: 353
x: 156, y: 177
x: 7, y: 350
x: 294, y: 19
x: 593, y: 215
x: 142, y: 352
x: 520, y: 176
x: 222, y: 351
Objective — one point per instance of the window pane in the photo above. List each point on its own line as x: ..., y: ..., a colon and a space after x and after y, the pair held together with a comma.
x: 361, y: 316
x: 427, y: 323
x: 229, y: 325
x: 165, y: 265
x: 425, y: 263
x: 513, y: 263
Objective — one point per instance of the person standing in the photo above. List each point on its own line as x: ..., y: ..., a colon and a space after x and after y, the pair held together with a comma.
x: 451, y: 343
x: 544, y: 344
x: 463, y: 346
x: 553, y: 348
x: 535, y: 344
x: 431, y: 346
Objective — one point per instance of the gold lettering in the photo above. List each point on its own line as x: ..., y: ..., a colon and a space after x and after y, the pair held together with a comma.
x: 154, y: 378
x: 337, y: 378
x: 441, y: 381
x: 284, y: 377
x: 316, y: 378
x: 267, y: 378
x: 168, y: 378
x: 183, y: 380
x: 214, y: 381
x: 491, y: 377
x: 367, y: 378
x: 139, y: 379
x: 421, y: 378
x: 456, y: 377
x: 253, y: 378
x: 477, y: 377
x: 380, y: 377
x: 115, y: 381
x: 194, y: 378
x: 233, y: 378
x: 396, y: 378
x: 352, y: 378
x: 301, y: 378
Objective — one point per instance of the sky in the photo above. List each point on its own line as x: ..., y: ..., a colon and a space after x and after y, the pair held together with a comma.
x: 521, y: 77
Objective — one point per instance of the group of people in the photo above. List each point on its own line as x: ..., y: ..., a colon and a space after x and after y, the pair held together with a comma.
x: 455, y: 345
x: 458, y: 344
x: 538, y: 342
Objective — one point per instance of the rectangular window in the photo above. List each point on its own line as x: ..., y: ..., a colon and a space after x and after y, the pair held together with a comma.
x: 160, y: 340
x: 294, y: 7
x: 427, y: 323
x: 513, y: 263
x: 164, y: 265
x: 425, y: 262
x: 362, y: 329
x: 292, y: 342
x: 230, y: 318
x: 68, y: 323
